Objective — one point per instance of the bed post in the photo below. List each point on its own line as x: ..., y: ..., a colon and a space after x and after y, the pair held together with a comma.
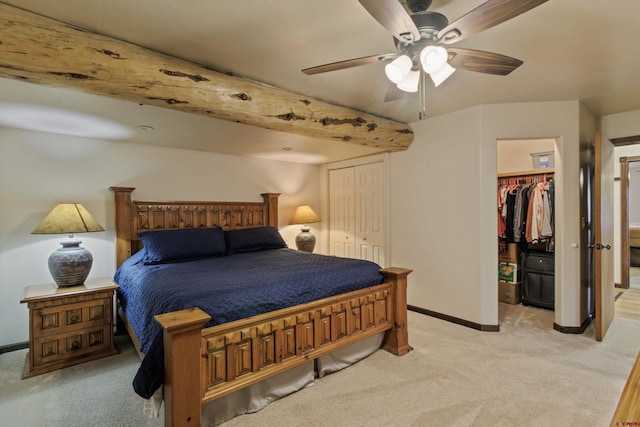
x: 396, y: 339
x: 271, y: 201
x: 123, y: 223
x: 183, y: 387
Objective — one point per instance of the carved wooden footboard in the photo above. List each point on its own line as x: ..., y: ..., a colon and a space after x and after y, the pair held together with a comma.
x: 228, y: 357
x: 202, y: 365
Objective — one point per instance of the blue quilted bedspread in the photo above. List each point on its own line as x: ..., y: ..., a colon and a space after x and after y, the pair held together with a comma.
x: 227, y: 288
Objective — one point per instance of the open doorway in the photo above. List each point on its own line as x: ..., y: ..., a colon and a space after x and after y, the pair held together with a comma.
x: 526, y: 243
x: 630, y: 222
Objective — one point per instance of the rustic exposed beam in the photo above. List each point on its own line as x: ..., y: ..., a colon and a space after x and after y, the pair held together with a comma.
x: 40, y: 50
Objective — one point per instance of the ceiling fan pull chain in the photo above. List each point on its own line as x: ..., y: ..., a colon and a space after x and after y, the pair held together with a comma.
x: 422, y: 96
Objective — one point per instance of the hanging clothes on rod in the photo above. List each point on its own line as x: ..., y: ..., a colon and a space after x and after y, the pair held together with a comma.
x: 525, y: 211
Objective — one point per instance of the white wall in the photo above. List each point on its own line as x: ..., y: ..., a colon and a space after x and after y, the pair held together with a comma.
x: 434, y: 215
x: 619, y: 126
x: 38, y: 170
x: 443, y: 206
x: 514, y: 155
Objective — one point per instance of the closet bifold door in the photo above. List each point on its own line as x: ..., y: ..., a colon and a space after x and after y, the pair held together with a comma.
x: 342, y: 212
x: 369, y: 209
x: 356, y: 212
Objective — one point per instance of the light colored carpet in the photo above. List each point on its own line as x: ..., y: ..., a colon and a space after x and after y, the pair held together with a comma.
x: 97, y: 393
x: 527, y: 375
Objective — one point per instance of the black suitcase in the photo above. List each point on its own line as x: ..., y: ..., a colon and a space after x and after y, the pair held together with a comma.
x: 538, y: 287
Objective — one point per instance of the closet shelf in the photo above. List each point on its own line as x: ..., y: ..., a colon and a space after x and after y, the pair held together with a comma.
x: 546, y: 171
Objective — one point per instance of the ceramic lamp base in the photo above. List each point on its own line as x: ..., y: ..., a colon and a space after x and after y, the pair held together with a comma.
x: 70, y: 265
x: 305, y: 241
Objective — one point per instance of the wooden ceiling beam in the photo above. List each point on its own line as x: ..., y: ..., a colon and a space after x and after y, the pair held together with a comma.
x: 44, y: 51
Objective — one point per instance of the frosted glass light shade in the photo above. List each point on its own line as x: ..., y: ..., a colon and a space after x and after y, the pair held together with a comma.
x: 442, y: 74
x: 397, y: 69
x: 432, y: 58
x: 410, y: 83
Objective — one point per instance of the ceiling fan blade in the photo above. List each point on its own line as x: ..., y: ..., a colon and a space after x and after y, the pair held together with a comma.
x: 485, y: 16
x: 394, y: 17
x: 482, y: 62
x: 348, y: 63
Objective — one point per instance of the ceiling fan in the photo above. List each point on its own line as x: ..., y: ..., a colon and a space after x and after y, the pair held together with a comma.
x: 419, y: 38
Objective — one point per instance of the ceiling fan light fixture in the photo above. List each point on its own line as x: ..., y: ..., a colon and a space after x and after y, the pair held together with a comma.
x: 398, y: 69
x: 433, y: 58
x: 442, y: 74
x: 410, y: 82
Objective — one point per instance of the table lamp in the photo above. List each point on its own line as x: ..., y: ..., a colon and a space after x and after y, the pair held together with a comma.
x: 305, y: 241
x: 69, y: 265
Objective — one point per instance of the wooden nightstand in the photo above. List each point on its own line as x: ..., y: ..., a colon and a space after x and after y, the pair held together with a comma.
x: 69, y: 325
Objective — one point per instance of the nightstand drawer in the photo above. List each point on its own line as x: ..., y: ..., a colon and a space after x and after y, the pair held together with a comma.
x: 73, y: 344
x: 71, y: 317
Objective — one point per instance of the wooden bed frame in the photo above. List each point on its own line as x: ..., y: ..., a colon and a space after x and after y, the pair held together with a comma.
x: 202, y: 365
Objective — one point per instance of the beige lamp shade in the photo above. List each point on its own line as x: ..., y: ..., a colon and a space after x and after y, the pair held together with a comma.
x: 304, y: 215
x: 69, y: 265
x: 67, y: 218
x: 305, y: 241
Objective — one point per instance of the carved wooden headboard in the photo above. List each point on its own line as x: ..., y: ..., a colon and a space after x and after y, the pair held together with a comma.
x: 134, y: 216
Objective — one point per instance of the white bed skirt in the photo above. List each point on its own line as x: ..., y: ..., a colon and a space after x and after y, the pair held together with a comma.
x: 349, y: 355
x: 257, y: 396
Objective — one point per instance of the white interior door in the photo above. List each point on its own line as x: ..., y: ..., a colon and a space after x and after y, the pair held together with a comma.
x: 369, y: 212
x: 342, y: 212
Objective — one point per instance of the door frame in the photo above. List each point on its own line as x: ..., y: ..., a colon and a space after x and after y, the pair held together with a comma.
x: 625, y: 262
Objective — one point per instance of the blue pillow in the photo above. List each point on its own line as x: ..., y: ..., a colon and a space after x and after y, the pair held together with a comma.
x: 253, y: 239
x: 171, y: 245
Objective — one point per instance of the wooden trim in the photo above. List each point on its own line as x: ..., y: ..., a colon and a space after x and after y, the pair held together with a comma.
x: 624, y: 223
x: 456, y: 320
x: 628, y: 410
x: 574, y: 329
x: 625, y: 261
x: 40, y: 50
x: 627, y: 140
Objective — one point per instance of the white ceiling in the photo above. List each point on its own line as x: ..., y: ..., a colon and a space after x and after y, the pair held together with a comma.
x: 583, y: 50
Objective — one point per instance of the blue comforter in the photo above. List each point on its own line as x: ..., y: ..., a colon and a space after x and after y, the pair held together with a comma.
x: 227, y: 288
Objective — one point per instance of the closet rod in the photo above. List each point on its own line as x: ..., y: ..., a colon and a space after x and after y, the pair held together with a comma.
x: 548, y: 171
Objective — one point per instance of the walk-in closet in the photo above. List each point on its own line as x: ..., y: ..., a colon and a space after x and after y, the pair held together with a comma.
x: 525, y: 215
